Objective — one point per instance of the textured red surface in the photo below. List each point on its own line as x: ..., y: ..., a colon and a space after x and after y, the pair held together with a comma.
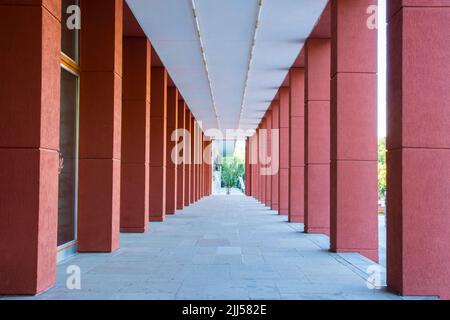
x: 269, y: 155
x: 171, y: 167
x: 100, y: 126
x: 276, y: 175
x: 283, y: 192
x: 254, y: 165
x: 418, y: 259
x: 29, y: 140
x: 317, y: 136
x: 158, y: 144
x: 187, y: 150
x: 135, y: 178
x: 297, y: 145
x: 248, y: 175
x: 99, y: 205
x: 354, y: 215
x: 262, y: 157
x: 181, y: 167
x: 192, y: 147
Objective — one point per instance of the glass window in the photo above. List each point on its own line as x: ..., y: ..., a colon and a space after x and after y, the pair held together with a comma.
x: 69, y: 32
x: 68, y: 158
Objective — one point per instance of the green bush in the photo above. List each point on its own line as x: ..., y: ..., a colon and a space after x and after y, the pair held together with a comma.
x: 232, y: 170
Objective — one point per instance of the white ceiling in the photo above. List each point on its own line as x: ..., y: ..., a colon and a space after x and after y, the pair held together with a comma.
x: 223, y: 87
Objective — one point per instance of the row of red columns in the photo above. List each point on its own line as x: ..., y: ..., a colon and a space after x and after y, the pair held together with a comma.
x: 129, y: 110
x: 114, y: 155
x: 326, y: 115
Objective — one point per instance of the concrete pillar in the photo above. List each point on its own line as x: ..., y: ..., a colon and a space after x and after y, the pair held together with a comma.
x: 262, y: 159
x: 196, y: 160
x: 171, y: 166
x: 283, y: 191
x: 276, y: 175
x: 29, y: 144
x: 418, y: 204
x: 100, y: 126
x: 181, y: 166
x: 193, y: 174
x: 317, y: 136
x: 158, y: 144
x: 354, y: 195
x: 258, y: 163
x: 297, y: 146
x: 202, y: 167
x: 248, y: 174
x: 206, y: 162
x: 135, y: 172
x: 269, y: 156
x: 187, y: 159
x: 198, y: 166
x: 254, y: 165
x: 207, y: 166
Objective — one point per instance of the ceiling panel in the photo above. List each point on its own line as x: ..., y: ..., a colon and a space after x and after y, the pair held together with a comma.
x: 227, y: 29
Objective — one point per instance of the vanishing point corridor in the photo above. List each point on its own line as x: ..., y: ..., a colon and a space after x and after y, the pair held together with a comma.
x: 223, y: 247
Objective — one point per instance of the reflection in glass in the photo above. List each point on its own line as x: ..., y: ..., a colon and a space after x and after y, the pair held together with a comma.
x: 68, y: 156
x: 69, y: 42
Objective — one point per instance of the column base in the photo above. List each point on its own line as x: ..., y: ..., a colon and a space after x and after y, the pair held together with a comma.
x: 325, y: 231
x: 134, y: 230
x: 157, y: 219
x: 371, y: 254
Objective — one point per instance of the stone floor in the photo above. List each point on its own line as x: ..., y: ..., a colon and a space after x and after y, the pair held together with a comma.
x: 223, y: 247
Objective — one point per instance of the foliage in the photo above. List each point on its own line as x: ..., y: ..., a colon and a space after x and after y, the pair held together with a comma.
x: 382, y: 185
x: 232, y: 170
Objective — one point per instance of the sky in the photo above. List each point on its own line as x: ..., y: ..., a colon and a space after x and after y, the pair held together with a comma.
x: 381, y: 68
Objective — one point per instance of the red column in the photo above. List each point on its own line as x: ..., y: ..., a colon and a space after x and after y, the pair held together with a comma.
x: 195, y: 161
x: 297, y: 146
x: 283, y: 191
x: 198, y: 161
x: 199, y: 164
x: 158, y: 144
x: 208, y: 166
x: 29, y: 144
x: 276, y: 175
x: 247, y: 168
x: 193, y: 134
x: 258, y: 164
x: 135, y: 135
x: 262, y: 159
x: 171, y: 166
x: 354, y: 216
x: 418, y: 204
x: 187, y: 159
x: 317, y: 136
x: 254, y: 164
x: 181, y: 166
x: 205, y: 157
x: 202, y: 166
x: 269, y: 155
x: 100, y: 126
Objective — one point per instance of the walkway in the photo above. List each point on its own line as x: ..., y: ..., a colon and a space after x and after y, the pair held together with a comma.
x: 223, y: 247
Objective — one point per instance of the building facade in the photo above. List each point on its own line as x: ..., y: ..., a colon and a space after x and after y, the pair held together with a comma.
x: 87, y: 115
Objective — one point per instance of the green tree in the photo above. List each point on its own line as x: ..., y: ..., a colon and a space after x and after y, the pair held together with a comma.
x: 382, y: 185
x: 232, y: 170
